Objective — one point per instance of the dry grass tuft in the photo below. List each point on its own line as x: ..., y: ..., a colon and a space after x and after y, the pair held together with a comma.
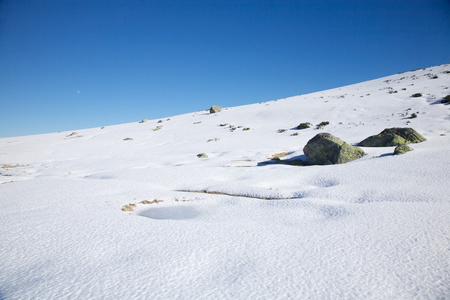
x: 151, y: 202
x: 129, y: 207
x: 9, y: 166
x: 279, y: 155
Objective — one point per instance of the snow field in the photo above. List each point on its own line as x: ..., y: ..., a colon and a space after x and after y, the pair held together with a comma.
x: 374, y: 228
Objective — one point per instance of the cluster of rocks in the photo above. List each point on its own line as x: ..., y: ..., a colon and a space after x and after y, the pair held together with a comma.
x: 326, y: 149
x: 306, y: 125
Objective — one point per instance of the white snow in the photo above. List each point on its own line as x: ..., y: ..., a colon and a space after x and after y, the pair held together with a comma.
x: 374, y: 228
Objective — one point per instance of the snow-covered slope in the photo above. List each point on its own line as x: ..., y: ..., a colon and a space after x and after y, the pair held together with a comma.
x: 228, y: 226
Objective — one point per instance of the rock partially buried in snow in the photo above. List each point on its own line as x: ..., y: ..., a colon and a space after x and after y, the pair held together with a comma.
x: 303, y: 125
x: 202, y: 155
x: 326, y: 149
x: 402, y: 149
x: 72, y: 134
x: 215, y: 109
x: 393, y: 137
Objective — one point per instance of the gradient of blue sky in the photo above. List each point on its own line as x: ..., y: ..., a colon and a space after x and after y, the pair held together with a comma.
x: 67, y: 65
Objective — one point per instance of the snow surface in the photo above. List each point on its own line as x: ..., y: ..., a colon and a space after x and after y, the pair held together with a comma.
x: 374, y: 228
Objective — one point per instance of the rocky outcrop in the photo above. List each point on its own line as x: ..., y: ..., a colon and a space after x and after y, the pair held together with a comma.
x: 326, y: 149
x: 393, y: 137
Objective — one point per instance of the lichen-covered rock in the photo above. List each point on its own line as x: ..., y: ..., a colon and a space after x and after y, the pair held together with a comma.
x: 326, y: 149
x: 402, y: 149
x: 215, y: 109
x: 303, y: 125
x: 393, y: 137
x: 322, y: 124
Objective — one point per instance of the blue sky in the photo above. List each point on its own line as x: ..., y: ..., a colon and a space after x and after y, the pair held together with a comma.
x: 67, y: 65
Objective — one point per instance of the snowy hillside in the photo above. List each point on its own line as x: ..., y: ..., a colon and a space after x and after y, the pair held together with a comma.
x: 79, y: 220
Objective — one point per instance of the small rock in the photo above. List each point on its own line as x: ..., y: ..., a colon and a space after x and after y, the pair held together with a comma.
x: 215, y: 109
x: 304, y: 125
x: 128, y: 139
x: 202, y: 155
x: 402, y: 149
x: 322, y: 125
x: 143, y: 121
x: 446, y: 99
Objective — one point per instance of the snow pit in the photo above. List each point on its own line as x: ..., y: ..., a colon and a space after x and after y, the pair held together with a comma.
x: 170, y: 213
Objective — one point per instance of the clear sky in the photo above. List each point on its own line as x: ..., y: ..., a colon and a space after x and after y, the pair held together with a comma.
x: 67, y: 65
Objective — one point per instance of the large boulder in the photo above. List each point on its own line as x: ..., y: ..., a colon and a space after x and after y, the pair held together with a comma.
x: 215, y: 109
x: 393, y: 137
x: 326, y: 149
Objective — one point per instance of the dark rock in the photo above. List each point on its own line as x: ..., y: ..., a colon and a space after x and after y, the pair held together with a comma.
x: 393, y: 137
x: 322, y: 124
x: 72, y: 134
x: 304, y: 125
x: 326, y: 149
x: 446, y: 99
